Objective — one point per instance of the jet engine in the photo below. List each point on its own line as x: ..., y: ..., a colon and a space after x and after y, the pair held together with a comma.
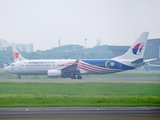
x: 54, y: 73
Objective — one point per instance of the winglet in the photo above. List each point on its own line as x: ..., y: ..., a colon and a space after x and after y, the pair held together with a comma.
x: 79, y: 57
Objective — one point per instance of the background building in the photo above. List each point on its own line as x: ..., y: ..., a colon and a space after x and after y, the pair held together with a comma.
x: 3, y: 45
x: 98, y: 42
x: 152, y: 49
x: 25, y: 47
x: 22, y: 47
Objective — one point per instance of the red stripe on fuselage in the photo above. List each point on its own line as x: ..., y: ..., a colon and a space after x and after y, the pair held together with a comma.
x: 95, y: 69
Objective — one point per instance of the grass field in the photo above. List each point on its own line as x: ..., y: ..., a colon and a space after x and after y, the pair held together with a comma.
x: 78, y: 94
x: 129, y: 75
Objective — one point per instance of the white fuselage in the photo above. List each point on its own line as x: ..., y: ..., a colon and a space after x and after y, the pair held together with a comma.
x: 37, y: 67
x: 41, y: 67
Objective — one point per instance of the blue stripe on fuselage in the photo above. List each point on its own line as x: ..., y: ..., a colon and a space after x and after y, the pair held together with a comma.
x: 112, y: 64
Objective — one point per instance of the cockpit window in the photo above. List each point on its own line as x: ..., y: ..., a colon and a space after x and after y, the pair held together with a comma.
x: 12, y: 65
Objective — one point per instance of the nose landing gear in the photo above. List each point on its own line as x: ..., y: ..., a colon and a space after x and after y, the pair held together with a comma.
x: 19, y: 77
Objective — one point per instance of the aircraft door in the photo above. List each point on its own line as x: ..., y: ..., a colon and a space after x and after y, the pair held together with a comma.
x: 21, y: 67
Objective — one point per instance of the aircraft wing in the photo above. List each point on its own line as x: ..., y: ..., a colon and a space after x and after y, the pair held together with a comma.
x: 73, y: 67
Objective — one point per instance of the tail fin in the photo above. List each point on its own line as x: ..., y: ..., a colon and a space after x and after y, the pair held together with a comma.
x: 16, y: 54
x: 136, y: 51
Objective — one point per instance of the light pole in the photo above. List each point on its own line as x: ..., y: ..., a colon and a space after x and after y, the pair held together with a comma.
x: 85, y: 47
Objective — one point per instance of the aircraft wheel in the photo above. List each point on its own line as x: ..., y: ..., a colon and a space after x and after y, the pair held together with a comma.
x: 79, y: 77
x: 19, y: 77
x: 73, y: 77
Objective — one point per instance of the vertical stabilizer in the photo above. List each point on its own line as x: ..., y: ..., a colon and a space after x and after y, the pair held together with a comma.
x: 136, y: 51
x: 16, y: 54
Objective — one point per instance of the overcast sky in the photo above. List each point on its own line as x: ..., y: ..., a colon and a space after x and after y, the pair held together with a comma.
x: 44, y: 22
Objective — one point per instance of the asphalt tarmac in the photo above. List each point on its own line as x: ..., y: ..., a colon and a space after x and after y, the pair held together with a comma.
x: 68, y: 80
x: 81, y: 113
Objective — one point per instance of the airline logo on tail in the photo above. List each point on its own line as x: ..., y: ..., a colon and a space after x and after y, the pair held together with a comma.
x: 137, y: 50
x: 15, y: 55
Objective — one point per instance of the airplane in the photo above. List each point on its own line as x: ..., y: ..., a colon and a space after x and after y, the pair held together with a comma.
x: 74, y: 68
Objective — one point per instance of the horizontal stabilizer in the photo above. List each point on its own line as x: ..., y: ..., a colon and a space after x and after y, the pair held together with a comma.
x: 148, y: 60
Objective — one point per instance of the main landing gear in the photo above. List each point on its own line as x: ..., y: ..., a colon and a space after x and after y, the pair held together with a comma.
x: 74, y: 77
x: 79, y: 77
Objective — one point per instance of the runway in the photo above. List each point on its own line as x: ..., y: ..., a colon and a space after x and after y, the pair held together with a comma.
x: 81, y: 113
x: 68, y: 80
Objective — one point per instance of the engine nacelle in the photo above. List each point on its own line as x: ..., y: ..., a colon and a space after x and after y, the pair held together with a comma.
x: 54, y: 73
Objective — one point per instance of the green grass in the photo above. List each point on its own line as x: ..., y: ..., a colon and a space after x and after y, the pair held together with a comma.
x: 122, y: 75
x: 78, y: 94
x: 11, y: 76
